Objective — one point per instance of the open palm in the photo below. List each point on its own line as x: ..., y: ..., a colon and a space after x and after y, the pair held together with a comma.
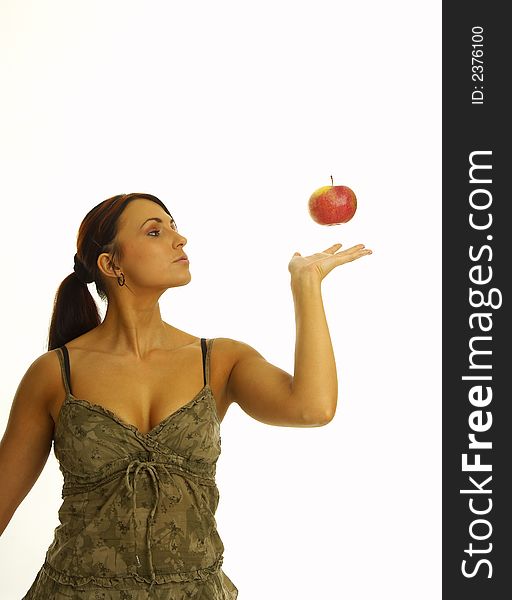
x: 318, y: 265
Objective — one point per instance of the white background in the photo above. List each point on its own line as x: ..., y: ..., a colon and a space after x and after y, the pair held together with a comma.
x: 233, y: 113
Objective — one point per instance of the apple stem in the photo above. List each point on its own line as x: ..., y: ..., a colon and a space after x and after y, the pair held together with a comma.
x: 332, y: 181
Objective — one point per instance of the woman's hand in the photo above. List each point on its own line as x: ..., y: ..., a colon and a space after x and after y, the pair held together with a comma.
x: 317, y: 266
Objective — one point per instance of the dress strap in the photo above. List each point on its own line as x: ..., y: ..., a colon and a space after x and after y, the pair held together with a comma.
x: 206, y: 348
x: 64, y: 367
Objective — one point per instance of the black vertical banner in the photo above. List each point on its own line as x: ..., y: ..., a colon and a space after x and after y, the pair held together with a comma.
x: 477, y: 268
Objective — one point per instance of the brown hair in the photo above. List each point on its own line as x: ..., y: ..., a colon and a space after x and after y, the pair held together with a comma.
x: 74, y: 310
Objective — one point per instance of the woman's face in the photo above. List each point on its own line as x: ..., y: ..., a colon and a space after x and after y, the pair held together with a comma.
x: 151, y: 244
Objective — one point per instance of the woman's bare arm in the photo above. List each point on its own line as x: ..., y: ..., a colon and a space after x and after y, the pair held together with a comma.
x: 261, y: 389
x: 273, y: 396
x: 27, y: 439
x: 309, y: 398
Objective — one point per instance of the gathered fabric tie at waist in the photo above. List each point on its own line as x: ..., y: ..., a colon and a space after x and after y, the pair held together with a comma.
x: 152, y: 468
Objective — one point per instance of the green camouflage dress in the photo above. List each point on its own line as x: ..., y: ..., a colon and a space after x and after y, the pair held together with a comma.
x: 137, y: 521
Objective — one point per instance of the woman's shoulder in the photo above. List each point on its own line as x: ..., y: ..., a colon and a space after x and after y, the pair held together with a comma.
x: 40, y: 384
x: 45, y: 369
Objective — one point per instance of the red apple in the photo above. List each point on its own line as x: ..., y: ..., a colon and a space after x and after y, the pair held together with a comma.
x: 332, y: 204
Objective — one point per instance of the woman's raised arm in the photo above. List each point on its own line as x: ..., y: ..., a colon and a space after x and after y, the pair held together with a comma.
x: 261, y: 389
x: 309, y: 398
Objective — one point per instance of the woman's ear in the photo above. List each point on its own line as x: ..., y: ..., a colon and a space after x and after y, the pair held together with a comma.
x: 106, y: 265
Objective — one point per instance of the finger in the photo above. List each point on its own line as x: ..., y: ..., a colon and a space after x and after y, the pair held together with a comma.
x: 350, y: 256
x: 359, y: 254
x: 355, y: 248
x: 333, y: 247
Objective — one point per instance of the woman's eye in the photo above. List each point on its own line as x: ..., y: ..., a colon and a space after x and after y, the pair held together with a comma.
x: 158, y: 231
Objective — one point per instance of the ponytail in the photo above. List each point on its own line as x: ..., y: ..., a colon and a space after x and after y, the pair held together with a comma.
x: 75, y: 312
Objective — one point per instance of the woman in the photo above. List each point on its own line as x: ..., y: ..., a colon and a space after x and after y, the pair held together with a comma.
x: 136, y: 442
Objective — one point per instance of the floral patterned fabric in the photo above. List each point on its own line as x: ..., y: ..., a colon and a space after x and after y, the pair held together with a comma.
x: 137, y: 521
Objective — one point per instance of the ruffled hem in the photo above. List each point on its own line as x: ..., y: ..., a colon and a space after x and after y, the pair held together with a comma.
x: 118, y: 582
x: 216, y: 586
